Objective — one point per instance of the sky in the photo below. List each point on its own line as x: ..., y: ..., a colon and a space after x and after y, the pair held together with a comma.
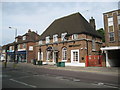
x: 37, y: 16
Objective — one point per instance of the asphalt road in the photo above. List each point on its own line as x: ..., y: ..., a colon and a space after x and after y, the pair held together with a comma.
x: 34, y: 77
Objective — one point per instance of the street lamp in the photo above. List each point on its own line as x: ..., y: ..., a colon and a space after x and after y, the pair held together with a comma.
x: 15, y: 31
x: 15, y: 45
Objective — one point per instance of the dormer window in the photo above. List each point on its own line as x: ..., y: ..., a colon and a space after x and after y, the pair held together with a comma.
x: 16, y: 40
x: 55, y: 38
x: 40, y: 42
x: 48, y: 39
x: 74, y: 36
x: 63, y: 36
x: 24, y: 37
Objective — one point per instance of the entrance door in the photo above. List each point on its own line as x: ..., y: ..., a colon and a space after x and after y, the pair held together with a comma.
x: 55, y: 57
x: 74, y: 56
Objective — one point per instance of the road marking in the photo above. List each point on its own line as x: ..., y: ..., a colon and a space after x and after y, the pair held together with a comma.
x: 23, y: 83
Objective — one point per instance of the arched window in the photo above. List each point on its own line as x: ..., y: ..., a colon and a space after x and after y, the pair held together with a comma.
x: 64, y: 53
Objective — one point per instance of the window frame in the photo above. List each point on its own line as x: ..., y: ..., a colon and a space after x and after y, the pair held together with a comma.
x: 64, y: 54
x: 93, y: 45
x: 74, y: 37
x: 55, y: 38
x: 63, y: 36
x: 40, y: 42
x: 24, y: 38
x: 47, y: 39
x: 113, y: 36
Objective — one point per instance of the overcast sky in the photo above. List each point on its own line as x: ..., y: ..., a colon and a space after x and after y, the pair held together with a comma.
x: 39, y: 15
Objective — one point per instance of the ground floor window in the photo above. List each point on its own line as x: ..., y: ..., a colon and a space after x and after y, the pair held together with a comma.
x: 64, y: 53
x: 49, y: 55
x: 40, y: 56
x: 75, y: 56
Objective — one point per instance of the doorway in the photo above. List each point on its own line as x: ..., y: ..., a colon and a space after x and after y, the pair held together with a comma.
x: 56, y: 56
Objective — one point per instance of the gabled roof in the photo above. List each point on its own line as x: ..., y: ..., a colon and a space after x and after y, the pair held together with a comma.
x: 72, y: 24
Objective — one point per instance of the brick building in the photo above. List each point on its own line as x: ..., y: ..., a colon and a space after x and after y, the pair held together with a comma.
x: 23, y: 47
x: 69, y: 39
x: 112, y: 37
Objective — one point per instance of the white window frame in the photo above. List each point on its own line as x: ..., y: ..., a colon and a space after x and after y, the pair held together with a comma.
x: 55, y: 38
x: 110, y: 36
x: 40, y: 57
x: 63, y: 36
x: 77, y: 50
x: 47, y: 39
x: 18, y: 46
x: 119, y: 34
x: 10, y: 47
x: 24, y: 37
x: 40, y: 42
x: 16, y: 40
x: 24, y: 45
x: 110, y: 21
x: 74, y: 36
x: 93, y: 45
x: 64, y: 54
x: 118, y: 17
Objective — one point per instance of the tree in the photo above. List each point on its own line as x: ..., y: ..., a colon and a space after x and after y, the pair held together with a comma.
x: 101, y: 31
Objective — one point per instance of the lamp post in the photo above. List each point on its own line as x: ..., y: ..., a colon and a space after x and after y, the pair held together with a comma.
x: 14, y: 43
x: 15, y: 31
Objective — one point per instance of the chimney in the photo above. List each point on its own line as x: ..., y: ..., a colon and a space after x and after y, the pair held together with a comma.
x: 29, y: 30
x: 92, y: 22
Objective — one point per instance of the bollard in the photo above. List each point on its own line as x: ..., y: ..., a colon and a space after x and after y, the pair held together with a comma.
x: 5, y: 64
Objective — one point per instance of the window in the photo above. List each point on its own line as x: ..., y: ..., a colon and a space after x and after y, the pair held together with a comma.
x: 48, y: 39
x: 40, y: 57
x: 55, y: 38
x: 110, y: 21
x: 49, y: 55
x: 110, y: 24
x: 10, y: 48
x: 119, y: 35
x: 16, y: 40
x: 24, y: 45
x: 74, y: 36
x: 118, y: 19
x: 40, y: 42
x: 24, y: 37
x: 63, y: 36
x: 93, y: 45
x: 19, y: 46
x: 111, y: 36
x: 64, y: 53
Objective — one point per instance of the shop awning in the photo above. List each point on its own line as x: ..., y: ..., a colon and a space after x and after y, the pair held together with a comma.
x: 21, y: 52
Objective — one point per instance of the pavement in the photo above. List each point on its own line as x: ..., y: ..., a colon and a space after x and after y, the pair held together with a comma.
x: 114, y: 71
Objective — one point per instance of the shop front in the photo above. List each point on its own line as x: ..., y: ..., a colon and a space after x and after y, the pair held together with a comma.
x: 21, y: 56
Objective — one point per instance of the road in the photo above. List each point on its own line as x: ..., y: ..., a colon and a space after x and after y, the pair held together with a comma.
x: 27, y: 76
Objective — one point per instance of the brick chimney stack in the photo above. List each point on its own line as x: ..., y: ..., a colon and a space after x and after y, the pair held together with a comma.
x: 92, y: 22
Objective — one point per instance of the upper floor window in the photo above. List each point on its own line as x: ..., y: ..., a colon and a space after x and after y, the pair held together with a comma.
x: 24, y: 37
x: 40, y: 42
x: 111, y: 36
x: 19, y: 46
x: 55, y: 38
x: 110, y: 21
x: 10, y: 48
x: 118, y: 19
x: 119, y: 35
x: 93, y: 45
x: 24, y: 45
x: 16, y: 40
x: 74, y: 36
x: 63, y: 36
x: 48, y: 39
